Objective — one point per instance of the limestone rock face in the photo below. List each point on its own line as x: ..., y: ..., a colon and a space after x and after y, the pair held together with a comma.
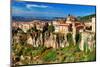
x: 91, y: 42
x: 93, y: 24
x: 16, y: 39
x: 88, y: 40
x: 30, y: 41
x: 83, y: 40
x: 21, y: 57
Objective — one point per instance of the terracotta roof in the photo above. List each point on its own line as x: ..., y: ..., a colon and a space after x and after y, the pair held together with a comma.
x: 80, y: 27
x: 66, y: 24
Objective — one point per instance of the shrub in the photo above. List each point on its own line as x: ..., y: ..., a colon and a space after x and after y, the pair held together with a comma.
x: 38, y: 51
x: 51, y: 28
x: 50, y: 56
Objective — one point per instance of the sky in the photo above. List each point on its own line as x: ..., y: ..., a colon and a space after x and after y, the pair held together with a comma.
x: 40, y: 9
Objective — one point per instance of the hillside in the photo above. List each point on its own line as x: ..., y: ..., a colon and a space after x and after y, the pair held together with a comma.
x: 86, y: 18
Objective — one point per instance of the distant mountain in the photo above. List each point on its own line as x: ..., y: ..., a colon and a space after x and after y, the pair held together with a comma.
x: 26, y: 19
x: 20, y: 18
x: 86, y: 18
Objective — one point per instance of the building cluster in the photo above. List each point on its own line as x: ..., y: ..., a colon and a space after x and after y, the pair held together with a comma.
x: 69, y: 25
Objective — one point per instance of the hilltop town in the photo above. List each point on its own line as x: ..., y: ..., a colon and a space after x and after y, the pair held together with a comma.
x: 70, y: 25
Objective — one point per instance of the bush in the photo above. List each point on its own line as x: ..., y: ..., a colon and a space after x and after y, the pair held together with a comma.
x: 38, y: 51
x: 50, y: 56
x: 51, y: 28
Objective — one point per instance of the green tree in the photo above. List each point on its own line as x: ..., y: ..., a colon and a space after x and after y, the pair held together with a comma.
x: 78, y: 37
x: 70, y: 39
x: 51, y: 28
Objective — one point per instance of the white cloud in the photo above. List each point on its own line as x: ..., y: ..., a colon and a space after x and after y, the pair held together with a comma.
x: 34, y: 5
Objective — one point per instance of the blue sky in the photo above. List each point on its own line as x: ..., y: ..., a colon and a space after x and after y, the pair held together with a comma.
x: 39, y: 9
